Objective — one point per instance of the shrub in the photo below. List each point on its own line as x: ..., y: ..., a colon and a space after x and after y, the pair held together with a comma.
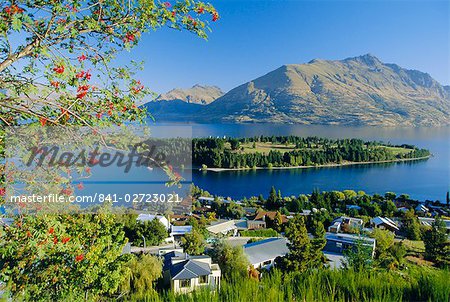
x: 259, y: 233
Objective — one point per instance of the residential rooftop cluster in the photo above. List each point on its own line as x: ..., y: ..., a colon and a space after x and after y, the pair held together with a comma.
x: 257, y: 227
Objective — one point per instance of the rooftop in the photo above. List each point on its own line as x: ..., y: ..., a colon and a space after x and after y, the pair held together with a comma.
x: 184, y: 266
x: 206, y: 198
x: 222, y: 227
x: 270, y: 214
x: 428, y: 221
x: 180, y: 230
x: 384, y: 220
x: 267, y: 249
x: 348, y: 238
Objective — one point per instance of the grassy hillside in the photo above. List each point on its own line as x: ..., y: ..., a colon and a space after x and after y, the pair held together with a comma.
x: 418, y: 284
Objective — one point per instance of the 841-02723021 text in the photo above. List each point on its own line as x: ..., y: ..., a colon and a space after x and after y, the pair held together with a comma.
x: 140, y: 198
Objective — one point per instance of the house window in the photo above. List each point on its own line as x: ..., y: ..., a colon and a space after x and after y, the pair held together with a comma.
x: 185, y: 283
x: 203, y: 279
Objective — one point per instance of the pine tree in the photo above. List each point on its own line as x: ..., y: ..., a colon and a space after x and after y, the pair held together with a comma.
x: 272, y: 200
x: 317, y: 245
x: 299, y: 256
x: 435, y: 240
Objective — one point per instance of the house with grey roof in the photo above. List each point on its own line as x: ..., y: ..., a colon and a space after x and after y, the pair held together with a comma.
x: 262, y: 254
x: 384, y: 223
x: 185, y: 273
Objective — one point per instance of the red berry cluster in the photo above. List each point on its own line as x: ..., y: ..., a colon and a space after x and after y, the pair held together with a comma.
x: 67, y: 191
x: 82, y: 91
x: 13, y: 9
x: 138, y: 88
x: 79, y: 257
x: 84, y: 75
x: 81, y: 58
x: 129, y: 37
x: 215, y: 16
x: 59, y: 69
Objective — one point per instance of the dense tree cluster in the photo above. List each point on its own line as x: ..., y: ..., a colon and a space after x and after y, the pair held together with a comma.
x: 231, y: 259
x: 437, y: 244
x: 346, y: 202
x: 310, y: 151
x: 304, y: 252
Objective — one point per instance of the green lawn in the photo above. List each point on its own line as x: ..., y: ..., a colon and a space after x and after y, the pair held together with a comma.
x: 265, y: 148
x: 397, y: 150
x: 414, y: 246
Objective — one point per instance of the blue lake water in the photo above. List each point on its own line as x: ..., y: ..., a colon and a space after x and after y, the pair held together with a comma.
x: 428, y: 179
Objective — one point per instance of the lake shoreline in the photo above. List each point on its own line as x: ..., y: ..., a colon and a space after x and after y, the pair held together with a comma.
x: 318, y: 166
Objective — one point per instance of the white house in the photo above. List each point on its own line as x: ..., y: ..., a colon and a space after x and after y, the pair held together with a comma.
x: 342, y: 222
x: 223, y: 227
x: 186, y: 273
x: 262, y: 254
x: 150, y: 217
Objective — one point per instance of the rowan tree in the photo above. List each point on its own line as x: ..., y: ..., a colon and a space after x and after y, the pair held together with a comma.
x: 58, y: 67
x: 57, y: 57
x: 48, y: 257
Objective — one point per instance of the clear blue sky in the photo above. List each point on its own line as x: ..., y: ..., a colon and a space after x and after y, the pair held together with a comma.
x: 255, y: 37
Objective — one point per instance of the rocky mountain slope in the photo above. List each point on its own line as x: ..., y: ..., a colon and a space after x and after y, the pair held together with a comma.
x: 197, y: 94
x: 354, y: 91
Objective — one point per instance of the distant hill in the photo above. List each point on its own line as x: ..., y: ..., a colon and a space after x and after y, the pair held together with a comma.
x: 175, y: 110
x: 354, y: 91
x: 197, y: 94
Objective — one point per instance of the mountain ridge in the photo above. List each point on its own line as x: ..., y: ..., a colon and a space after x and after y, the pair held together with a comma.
x: 197, y: 94
x: 358, y: 90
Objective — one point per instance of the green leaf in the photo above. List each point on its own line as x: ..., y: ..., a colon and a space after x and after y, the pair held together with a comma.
x: 16, y: 23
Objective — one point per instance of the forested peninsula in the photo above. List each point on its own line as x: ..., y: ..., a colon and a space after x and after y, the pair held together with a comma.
x: 274, y: 152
